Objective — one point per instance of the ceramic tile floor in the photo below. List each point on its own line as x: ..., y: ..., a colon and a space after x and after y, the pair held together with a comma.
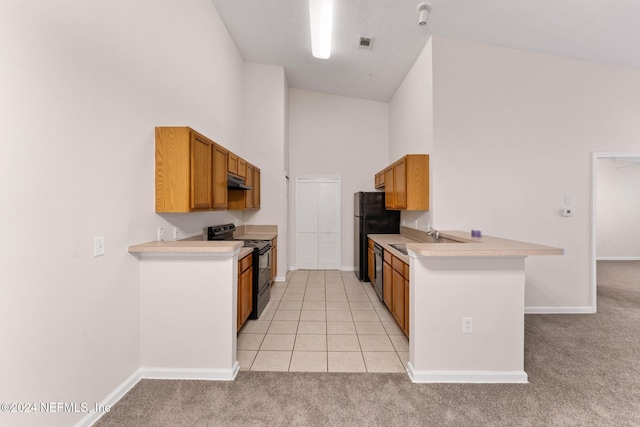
x: 323, y: 321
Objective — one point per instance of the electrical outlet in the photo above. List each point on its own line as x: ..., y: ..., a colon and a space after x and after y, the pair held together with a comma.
x: 176, y: 233
x: 467, y: 325
x: 160, y: 234
x: 98, y: 246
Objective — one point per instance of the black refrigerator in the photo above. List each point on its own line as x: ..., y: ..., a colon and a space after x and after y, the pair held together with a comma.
x: 370, y: 217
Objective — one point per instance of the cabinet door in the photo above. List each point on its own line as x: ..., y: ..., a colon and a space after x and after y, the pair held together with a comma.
x: 388, y: 188
x: 219, y: 177
x: 245, y: 300
x: 249, y: 181
x: 232, y: 163
x: 400, y: 185
x: 398, y: 298
x: 256, y: 188
x: 406, y: 307
x: 201, y: 173
x: 371, y: 268
x: 387, y: 285
x: 242, y: 168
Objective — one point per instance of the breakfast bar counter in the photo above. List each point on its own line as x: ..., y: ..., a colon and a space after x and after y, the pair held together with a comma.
x: 466, y: 306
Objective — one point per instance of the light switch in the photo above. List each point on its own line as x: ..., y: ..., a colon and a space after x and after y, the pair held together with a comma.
x: 98, y: 246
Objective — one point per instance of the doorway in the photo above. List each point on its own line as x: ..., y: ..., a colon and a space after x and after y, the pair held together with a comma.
x: 318, y: 223
x: 604, y: 243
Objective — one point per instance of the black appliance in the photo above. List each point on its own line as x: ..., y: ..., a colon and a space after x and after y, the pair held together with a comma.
x: 237, y: 183
x: 370, y: 217
x: 261, y: 264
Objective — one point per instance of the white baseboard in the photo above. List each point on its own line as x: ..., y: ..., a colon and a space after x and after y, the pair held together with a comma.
x: 480, y: 377
x: 347, y: 269
x: 191, y: 374
x: 159, y: 373
x: 618, y: 258
x: 280, y: 279
x: 111, y: 400
x: 559, y: 310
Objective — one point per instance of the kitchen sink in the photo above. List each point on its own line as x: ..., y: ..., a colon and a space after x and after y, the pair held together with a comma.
x: 402, y: 247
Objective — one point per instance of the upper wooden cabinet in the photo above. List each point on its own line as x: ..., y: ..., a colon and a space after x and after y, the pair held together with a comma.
x: 191, y: 172
x: 236, y: 165
x: 247, y: 199
x: 187, y: 177
x: 220, y: 167
x: 406, y: 183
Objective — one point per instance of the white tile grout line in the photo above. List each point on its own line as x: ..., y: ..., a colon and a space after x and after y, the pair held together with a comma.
x: 355, y: 284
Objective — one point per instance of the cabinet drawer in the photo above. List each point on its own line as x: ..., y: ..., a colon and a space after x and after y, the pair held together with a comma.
x: 388, y: 257
x: 398, y: 265
x: 245, y: 263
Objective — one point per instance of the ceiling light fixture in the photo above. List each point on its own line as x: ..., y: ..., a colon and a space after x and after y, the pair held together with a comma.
x: 321, y: 17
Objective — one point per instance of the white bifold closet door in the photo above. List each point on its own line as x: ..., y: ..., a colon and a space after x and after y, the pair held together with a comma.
x: 318, y: 223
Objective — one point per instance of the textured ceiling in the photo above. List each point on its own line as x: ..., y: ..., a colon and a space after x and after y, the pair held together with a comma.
x: 276, y: 32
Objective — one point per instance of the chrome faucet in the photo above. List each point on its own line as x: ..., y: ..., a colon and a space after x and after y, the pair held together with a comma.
x: 433, y: 233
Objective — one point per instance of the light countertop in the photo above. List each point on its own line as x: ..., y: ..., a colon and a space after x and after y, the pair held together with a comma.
x: 485, y: 246
x: 188, y: 246
x: 257, y: 236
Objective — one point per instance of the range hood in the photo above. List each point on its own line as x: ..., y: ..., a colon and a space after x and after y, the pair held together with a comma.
x: 237, y: 183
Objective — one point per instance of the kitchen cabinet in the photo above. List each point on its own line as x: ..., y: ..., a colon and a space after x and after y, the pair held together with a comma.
x: 371, y: 263
x: 190, y: 171
x: 191, y: 174
x: 395, y: 273
x: 406, y: 183
x: 245, y: 288
x: 219, y: 177
x: 274, y: 260
x: 379, y: 180
x: 232, y: 163
x: 246, y: 199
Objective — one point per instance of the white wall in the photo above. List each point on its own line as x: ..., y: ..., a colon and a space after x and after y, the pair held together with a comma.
x: 411, y: 125
x: 513, y: 134
x: 265, y: 113
x: 618, y: 208
x: 83, y: 84
x: 332, y: 135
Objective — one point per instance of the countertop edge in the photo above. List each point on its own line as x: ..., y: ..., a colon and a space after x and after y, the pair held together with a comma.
x: 486, y: 246
x: 187, y: 246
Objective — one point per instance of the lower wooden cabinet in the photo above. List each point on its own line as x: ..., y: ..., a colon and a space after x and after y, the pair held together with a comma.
x: 395, y: 273
x: 371, y: 263
x: 245, y: 289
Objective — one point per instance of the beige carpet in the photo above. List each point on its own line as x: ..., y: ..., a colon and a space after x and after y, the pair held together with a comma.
x: 584, y: 370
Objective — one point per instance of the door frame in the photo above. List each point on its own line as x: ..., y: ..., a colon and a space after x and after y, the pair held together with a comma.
x: 319, y: 179
x: 594, y: 205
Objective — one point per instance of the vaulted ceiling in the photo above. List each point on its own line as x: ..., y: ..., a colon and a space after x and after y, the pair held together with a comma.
x: 276, y: 32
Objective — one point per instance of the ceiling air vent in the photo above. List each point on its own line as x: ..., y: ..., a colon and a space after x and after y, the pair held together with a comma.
x: 365, y: 43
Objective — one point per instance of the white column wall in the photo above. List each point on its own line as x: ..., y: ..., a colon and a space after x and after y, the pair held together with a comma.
x: 83, y: 85
x: 265, y: 134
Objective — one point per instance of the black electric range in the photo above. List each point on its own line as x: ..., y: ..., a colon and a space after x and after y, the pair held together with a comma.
x: 262, y: 263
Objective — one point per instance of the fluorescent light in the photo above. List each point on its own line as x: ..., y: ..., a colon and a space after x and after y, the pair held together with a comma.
x: 321, y: 17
